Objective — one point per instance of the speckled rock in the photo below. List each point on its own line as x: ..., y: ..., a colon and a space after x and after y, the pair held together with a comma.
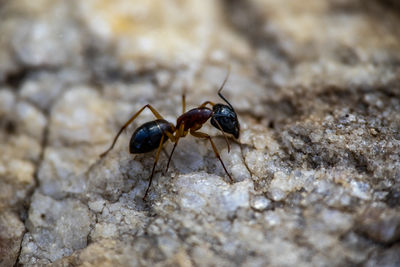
x: 11, y: 233
x: 389, y: 258
x: 55, y: 229
x: 21, y: 131
x: 380, y: 224
x: 316, y: 169
x: 22, y: 126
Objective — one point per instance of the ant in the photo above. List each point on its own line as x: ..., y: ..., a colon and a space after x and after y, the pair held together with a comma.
x: 153, y: 134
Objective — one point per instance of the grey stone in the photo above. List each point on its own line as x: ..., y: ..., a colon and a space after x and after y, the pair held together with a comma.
x: 55, y: 229
x: 388, y: 258
x: 21, y: 129
x: 380, y: 224
x: 11, y: 233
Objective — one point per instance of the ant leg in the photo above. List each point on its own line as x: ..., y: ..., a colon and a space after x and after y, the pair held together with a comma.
x: 179, y: 133
x: 172, y: 152
x: 173, y: 139
x: 206, y: 103
x: 170, y: 136
x: 226, y: 138
x: 204, y: 135
x: 154, y: 166
x: 153, y: 110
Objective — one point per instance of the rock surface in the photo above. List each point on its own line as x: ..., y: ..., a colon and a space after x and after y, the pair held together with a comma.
x: 316, y: 169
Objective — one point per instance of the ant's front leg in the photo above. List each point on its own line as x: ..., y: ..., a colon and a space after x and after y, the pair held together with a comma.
x: 204, y: 135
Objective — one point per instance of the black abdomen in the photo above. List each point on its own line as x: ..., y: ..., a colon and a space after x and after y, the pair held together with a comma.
x: 148, y: 136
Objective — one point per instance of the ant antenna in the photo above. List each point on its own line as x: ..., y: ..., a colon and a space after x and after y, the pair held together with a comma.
x: 222, y: 86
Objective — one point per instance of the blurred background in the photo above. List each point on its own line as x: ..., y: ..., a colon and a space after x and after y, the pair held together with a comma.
x: 317, y: 89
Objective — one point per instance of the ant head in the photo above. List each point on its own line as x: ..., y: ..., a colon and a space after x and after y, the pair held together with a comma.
x: 224, y: 118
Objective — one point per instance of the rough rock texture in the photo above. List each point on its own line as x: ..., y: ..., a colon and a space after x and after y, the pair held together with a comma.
x: 316, y: 169
x: 11, y: 232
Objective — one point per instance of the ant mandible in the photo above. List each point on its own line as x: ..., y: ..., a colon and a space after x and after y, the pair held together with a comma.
x: 153, y: 134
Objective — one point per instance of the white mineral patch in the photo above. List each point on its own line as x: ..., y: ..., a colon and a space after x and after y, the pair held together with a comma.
x: 260, y: 203
x: 204, y: 193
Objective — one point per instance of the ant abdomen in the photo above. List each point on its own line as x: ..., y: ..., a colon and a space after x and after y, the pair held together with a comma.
x: 147, y: 137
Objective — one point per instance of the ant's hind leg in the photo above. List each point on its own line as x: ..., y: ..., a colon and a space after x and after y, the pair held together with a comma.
x: 154, y: 166
x: 204, y: 135
x: 153, y: 110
